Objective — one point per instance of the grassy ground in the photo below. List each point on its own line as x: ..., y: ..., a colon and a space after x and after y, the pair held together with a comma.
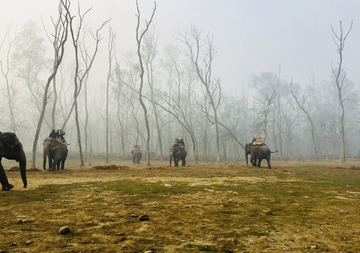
x: 226, y: 207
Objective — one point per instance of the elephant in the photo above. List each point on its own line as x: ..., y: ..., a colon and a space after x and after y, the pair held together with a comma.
x: 136, y: 152
x: 259, y: 153
x: 12, y: 149
x: 56, y: 151
x: 179, y: 153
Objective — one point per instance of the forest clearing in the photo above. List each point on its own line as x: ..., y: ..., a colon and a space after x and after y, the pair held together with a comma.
x: 205, y: 207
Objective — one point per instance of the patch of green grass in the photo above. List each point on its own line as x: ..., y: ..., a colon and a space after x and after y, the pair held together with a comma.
x: 146, y: 189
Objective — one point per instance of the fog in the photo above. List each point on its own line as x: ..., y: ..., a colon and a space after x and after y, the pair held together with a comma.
x: 258, y: 49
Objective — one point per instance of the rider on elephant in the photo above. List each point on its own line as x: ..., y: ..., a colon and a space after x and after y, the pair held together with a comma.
x: 176, y: 144
x: 61, y: 134
x: 54, y: 134
x: 254, y: 141
x: 179, y: 143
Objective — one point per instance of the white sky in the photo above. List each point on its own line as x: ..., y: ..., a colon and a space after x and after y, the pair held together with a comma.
x: 250, y: 36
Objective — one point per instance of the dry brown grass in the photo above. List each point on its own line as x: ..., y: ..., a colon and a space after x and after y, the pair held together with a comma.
x: 226, y: 207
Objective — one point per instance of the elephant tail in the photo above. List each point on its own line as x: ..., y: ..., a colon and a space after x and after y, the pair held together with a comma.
x: 274, y: 151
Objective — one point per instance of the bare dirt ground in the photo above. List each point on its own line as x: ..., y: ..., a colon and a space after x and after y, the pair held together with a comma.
x: 226, y: 207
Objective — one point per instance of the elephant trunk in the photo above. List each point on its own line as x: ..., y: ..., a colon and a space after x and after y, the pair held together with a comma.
x: 22, y: 163
x: 44, y: 158
x: 171, y: 155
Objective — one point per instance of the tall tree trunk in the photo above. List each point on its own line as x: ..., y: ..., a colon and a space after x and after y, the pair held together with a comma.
x: 53, y: 124
x: 110, y: 47
x: 86, y: 125
x: 139, y: 38
x: 340, y: 42
x: 78, y: 133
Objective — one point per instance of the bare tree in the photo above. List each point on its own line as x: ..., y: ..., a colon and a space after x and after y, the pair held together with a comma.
x: 10, y: 89
x: 57, y: 26
x: 178, y: 112
x: 117, y: 91
x: 202, y: 60
x: 111, y: 55
x: 149, y: 55
x: 59, y: 39
x: 301, y: 105
x: 29, y: 60
x: 139, y: 37
x: 340, y: 75
x: 265, y: 85
x: 80, y: 77
x: 86, y: 59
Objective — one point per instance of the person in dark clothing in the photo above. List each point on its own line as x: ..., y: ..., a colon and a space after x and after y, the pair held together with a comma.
x: 181, y: 142
x: 176, y: 144
x: 53, y: 134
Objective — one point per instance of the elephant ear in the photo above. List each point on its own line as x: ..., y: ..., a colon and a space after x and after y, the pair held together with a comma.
x: 55, y: 145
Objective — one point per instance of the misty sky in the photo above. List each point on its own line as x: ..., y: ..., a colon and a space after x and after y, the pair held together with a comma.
x: 250, y: 36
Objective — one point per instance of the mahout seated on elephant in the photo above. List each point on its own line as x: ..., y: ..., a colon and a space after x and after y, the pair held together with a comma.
x: 56, y: 152
x: 11, y: 148
x: 54, y: 134
x: 178, y: 153
x: 136, y: 152
x: 253, y: 139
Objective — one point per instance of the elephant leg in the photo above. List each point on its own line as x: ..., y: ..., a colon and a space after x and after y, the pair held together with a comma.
x: 259, y: 164
x: 253, y: 162
x: 176, y: 161
x: 54, y: 164
x: 268, y: 162
x: 62, y: 164
x: 50, y: 162
x: 4, y: 181
x: 183, y: 162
